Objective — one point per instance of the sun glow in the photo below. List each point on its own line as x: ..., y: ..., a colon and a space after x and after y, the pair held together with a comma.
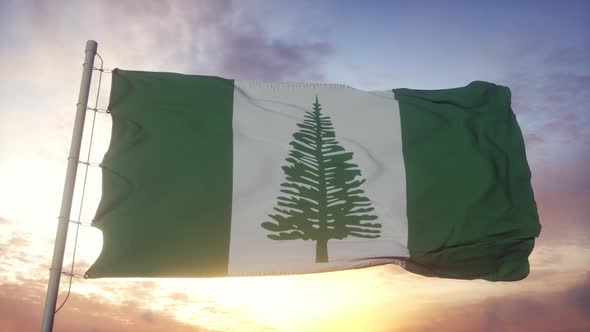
x: 295, y: 303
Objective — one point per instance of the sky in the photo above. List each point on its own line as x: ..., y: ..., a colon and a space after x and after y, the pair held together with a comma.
x: 540, y: 49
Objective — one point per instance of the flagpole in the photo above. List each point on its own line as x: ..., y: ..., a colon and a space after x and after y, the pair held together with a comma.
x: 68, y: 193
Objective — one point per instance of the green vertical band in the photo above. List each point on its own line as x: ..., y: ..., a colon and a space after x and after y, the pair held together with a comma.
x: 470, y: 205
x: 167, y: 177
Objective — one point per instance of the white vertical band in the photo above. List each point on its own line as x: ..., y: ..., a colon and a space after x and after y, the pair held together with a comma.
x: 265, y: 116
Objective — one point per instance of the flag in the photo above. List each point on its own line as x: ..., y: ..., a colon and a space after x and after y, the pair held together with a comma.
x: 212, y: 177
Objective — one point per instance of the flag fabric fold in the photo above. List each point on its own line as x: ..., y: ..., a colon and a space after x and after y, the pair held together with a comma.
x: 211, y: 177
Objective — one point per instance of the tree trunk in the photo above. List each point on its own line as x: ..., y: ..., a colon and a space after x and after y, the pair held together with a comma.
x: 321, y: 251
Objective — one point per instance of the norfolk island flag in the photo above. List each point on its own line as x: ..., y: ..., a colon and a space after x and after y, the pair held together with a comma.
x: 209, y: 177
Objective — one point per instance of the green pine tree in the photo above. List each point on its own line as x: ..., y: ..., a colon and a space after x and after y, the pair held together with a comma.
x: 321, y: 199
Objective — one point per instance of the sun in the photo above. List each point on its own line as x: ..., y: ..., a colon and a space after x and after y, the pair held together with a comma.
x: 334, y: 301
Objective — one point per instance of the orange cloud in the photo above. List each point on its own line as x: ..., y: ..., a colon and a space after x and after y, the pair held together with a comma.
x: 568, y: 310
x: 21, y: 309
x: 565, y: 310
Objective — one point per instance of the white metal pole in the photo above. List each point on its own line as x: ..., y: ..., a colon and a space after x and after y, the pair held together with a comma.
x: 68, y: 193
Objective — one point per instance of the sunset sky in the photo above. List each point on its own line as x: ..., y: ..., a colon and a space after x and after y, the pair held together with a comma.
x: 540, y: 49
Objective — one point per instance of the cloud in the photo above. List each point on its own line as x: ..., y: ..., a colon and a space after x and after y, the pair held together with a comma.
x: 579, y: 297
x: 573, y: 56
x: 533, y: 140
x: 437, y: 304
x: 21, y: 309
x: 179, y: 297
x: 201, y: 37
x: 220, y: 38
x: 18, y: 241
x: 15, y: 248
x: 249, y: 55
x: 567, y: 310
